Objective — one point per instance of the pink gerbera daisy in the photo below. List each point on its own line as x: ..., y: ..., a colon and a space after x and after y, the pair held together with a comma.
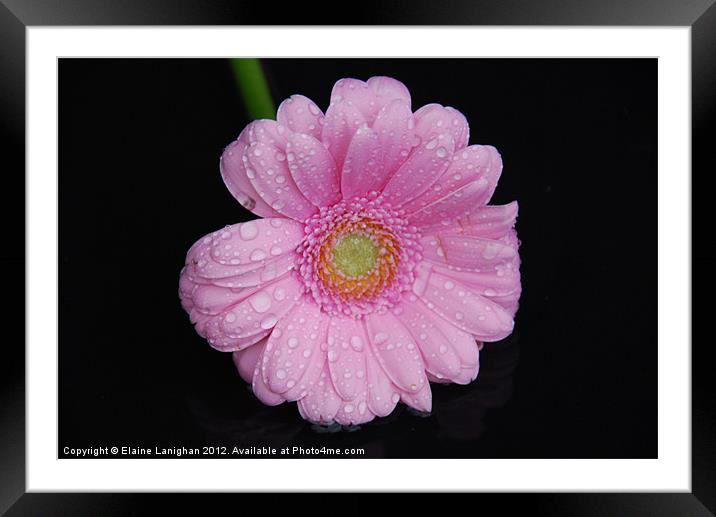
x: 377, y: 266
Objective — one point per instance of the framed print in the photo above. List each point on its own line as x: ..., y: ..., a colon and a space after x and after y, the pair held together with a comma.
x: 347, y: 267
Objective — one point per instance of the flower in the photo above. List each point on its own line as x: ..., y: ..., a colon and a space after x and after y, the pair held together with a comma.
x: 377, y: 266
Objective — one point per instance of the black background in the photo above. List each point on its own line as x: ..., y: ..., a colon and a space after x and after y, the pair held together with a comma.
x: 139, y: 183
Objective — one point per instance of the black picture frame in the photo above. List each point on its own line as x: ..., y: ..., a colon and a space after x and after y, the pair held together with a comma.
x: 17, y: 15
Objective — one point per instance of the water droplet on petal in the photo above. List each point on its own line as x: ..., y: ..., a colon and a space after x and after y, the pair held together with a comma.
x: 248, y: 231
x: 260, y: 301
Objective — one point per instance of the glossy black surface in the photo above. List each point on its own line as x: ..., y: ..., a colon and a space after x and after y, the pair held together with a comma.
x: 139, y: 183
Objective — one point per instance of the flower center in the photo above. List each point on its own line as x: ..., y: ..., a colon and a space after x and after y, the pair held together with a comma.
x: 358, y: 256
x: 355, y: 254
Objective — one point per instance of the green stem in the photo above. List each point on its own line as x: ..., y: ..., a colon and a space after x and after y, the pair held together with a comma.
x: 254, y: 88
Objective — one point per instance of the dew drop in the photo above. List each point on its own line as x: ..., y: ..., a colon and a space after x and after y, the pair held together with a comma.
x: 248, y: 231
x: 260, y: 302
x: 258, y: 254
x: 279, y: 294
x: 357, y: 343
x: 379, y: 338
x: 269, y: 321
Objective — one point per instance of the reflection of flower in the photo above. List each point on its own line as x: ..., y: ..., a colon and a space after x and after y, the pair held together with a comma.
x: 377, y: 264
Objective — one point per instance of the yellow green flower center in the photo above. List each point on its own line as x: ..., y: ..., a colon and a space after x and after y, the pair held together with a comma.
x: 355, y: 255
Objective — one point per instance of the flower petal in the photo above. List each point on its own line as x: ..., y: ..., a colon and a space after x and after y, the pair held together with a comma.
x: 382, y: 394
x: 342, y: 121
x: 313, y: 169
x: 208, y: 326
x: 369, y: 97
x: 233, y: 172
x: 268, y: 172
x: 294, y: 345
x: 356, y: 411
x: 434, y: 119
x: 260, y: 312
x: 396, y: 351
x: 436, y: 348
x: 394, y: 127
x: 322, y: 402
x: 497, y: 279
x: 492, y: 221
x: 449, y: 209
x: 422, y: 400
x: 242, y: 248
x: 212, y: 300
x: 363, y: 169
x: 475, y: 163
x: 450, y: 354
x: 420, y: 171
x: 346, y: 356
x: 466, y: 251
x: 300, y: 115
x: 388, y: 89
x: 247, y: 359
x: 259, y: 387
x: 461, y: 305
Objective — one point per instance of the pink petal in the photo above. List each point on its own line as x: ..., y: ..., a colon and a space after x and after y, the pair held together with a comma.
x: 465, y: 251
x: 422, y: 400
x: 242, y: 248
x: 463, y: 345
x: 502, y: 280
x: 370, y: 97
x: 449, y: 210
x: 268, y: 132
x: 294, y: 346
x: 224, y: 342
x: 382, y: 394
x: 313, y: 169
x: 255, y: 275
x: 247, y: 359
x: 322, y: 402
x: 490, y: 221
x: 262, y: 392
x: 212, y: 300
x: 461, y: 305
x: 474, y: 163
x: 420, y: 171
x: 434, y: 119
x: 438, y: 354
x: 356, y: 411
x: 346, y: 356
x: 233, y: 173
x: 267, y: 169
x: 388, y: 90
x: 396, y: 351
x: 342, y: 121
x: 260, y: 312
x: 394, y: 127
x: 497, y: 279
x: 363, y: 169
x: 300, y: 115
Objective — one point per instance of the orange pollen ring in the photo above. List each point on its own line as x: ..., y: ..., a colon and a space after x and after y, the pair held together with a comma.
x: 373, y: 282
